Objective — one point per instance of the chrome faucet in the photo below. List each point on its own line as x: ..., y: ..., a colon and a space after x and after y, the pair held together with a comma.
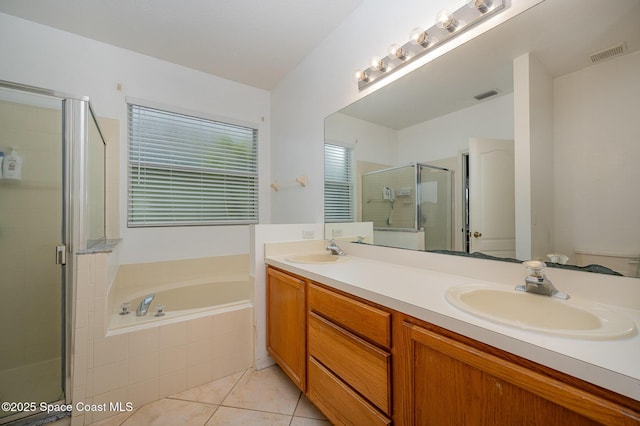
x: 536, y: 282
x: 334, y: 249
x: 143, y: 307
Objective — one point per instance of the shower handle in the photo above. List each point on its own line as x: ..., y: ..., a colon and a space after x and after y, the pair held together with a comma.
x: 61, y: 255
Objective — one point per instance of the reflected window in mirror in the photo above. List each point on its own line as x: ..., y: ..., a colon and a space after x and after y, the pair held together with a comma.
x: 338, y: 183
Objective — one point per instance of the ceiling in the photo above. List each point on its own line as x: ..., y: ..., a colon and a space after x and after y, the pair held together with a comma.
x: 255, y: 42
x: 561, y: 34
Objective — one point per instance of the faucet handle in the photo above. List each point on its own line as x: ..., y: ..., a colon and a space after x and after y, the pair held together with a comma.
x: 535, y: 267
x: 125, y: 308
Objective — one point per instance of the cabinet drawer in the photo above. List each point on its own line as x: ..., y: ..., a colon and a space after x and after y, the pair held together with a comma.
x: 366, y: 321
x: 365, y: 367
x: 339, y: 402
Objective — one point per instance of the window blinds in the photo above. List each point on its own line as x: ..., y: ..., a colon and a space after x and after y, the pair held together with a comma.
x: 187, y: 170
x: 338, y: 184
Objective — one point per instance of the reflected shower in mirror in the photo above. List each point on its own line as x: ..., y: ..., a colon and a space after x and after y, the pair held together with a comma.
x: 537, y: 121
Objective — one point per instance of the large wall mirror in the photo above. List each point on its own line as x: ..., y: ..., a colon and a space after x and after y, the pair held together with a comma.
x: 536, y: 124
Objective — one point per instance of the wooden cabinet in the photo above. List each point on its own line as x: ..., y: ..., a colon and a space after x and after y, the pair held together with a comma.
x: 349, y: 345
x: 362, y: 363
x: 286, y: 324
x: 443, y: 380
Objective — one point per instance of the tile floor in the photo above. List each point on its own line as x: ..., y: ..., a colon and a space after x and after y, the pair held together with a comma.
x: 256, y: 398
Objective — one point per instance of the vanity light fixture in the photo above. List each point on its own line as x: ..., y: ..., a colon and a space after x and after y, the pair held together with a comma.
x: 421, y: 41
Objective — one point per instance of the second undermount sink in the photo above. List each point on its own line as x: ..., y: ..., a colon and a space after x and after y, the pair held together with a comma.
x: 317, y: 258
x: 541, y: 313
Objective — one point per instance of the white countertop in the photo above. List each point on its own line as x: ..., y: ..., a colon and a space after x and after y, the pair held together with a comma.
x: 419, y: 292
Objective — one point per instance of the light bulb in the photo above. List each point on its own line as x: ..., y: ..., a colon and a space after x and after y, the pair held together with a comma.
x: 361, y: 75
x: 396, y: 51
x: 481, y: 5
x: 446, y: 21
x: 415, y: 34
x: 378, y: 64
x: 420, y: 36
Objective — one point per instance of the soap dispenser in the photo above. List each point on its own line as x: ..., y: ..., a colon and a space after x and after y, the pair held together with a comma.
x: 12, y: 166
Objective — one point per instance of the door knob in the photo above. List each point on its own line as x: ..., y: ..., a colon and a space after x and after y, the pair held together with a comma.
x: 477, y: 234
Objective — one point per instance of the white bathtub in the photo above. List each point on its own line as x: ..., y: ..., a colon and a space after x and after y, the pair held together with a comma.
x: 182, y: 301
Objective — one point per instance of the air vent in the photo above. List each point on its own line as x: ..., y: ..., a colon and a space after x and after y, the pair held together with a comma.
x: 486, y: 95
x: 608, y: 53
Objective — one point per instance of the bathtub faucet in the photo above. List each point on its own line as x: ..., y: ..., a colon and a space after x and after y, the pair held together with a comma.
x: 143, y: 307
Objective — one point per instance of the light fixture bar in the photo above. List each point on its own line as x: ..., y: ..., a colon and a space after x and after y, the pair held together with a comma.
x: 447, y: 26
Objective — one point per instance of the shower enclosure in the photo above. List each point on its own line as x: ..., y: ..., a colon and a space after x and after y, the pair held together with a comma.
x: 410, y: 206
x: 52, y: 211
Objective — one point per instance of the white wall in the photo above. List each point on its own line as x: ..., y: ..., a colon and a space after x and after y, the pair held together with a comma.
x: 603, y: 153
x: 370, y: 142
x: 441, y: 137
x: 533, y: 124
x: 41, y: 56
x: 542, y: 176
x: 447, y: 136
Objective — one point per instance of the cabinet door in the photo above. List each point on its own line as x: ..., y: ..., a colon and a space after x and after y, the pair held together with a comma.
x: 286, y: 325
x: 446, y: 382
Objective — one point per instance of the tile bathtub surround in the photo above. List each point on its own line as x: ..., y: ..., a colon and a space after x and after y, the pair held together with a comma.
x: 150, y: 364
x: 246, y: 398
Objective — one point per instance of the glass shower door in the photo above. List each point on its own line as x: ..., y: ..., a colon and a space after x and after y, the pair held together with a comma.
x: 436, y: 206
x: 31, y: 226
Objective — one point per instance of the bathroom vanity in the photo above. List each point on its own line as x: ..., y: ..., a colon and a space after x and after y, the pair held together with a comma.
x: 383, y: 346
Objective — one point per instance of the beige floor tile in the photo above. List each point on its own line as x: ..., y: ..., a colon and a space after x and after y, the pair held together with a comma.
x: 116, y: 420
x: 171, y: 412
x: 306, y: 408
x: 265, y: 390
x: 226, y: 416
x: 304, y: 421
x: 211, y: 393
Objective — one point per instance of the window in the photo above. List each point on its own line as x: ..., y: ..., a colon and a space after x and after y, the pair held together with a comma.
x: 187, y: 170
x: 338, y: 184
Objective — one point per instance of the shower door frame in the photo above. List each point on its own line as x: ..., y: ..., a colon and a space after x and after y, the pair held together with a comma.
x: 419, y: 167
x: 76, y: 112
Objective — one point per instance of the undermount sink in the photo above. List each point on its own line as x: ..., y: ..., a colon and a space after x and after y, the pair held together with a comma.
x: 541, y: 313
x: 317, y: 258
